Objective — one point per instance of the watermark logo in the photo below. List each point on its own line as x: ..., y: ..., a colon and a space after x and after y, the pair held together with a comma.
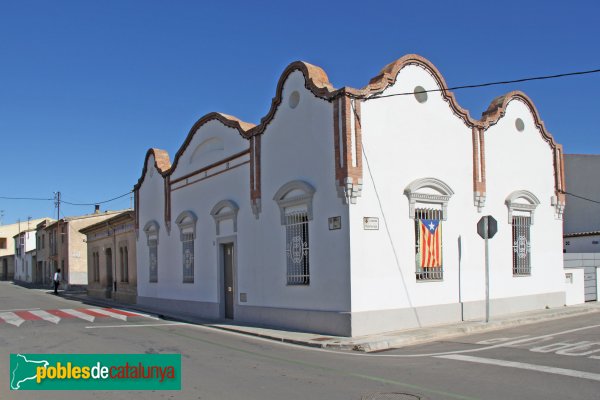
x: 95, y: 372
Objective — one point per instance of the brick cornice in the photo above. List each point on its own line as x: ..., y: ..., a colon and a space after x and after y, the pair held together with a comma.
x: 497, y: 110
x: 162, y: 163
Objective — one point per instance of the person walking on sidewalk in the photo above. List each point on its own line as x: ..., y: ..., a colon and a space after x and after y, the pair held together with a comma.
x: 56, y: 280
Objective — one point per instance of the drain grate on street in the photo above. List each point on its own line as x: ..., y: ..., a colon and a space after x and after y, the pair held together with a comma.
x: 392, y: 396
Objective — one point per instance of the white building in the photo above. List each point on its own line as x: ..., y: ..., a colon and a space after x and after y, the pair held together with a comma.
x: 25, y: 257
x: 316, y: 219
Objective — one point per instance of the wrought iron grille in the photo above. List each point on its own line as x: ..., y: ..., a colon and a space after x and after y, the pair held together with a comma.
x: 153, y: 247
x: 427, y: 273
x: 297, y: 250
x: 188, y: 257
x: 521, y: 235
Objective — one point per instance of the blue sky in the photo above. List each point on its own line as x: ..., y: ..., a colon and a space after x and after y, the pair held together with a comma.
x: 86, y: 87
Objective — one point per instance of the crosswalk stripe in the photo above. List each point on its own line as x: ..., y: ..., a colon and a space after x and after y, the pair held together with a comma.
x: 78, y: 314
x: 109, y: 313
x: 46, y: 316
x: 61, y: 314
x: 11, y: 318
x: 90, y: 311
x: 27, y: 316
x: 123, y: 312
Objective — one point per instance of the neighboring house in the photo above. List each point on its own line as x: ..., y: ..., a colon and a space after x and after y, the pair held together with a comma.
x: 7, y: 246
x: 111, y: 258
x: 581, y: 238
x: 25, y: 258
x: 67, y: 246
x: 45, y: 267
x: 581, y: 224
x: 347, y: 213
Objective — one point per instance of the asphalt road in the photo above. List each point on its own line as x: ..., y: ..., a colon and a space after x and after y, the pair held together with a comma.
x: 552, y: 360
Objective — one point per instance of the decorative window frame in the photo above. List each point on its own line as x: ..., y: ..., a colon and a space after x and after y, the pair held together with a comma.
x: 151, y: 229
x: 186, y: 221
x: 219, y: 214
x: 183, y: 225
x: 513, y: 205
x: 412, y: 193
x: 304, y: 199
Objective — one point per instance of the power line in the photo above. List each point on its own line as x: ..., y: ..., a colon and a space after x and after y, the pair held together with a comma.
x: 478, y: 85
x: 583, y: 198
x: 25, y: 198
x: 98, y: 202
x: 63, y: 201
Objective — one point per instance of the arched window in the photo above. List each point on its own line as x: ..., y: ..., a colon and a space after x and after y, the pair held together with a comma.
x: 187, y: 234
x: 296, y: 210
x: 223, y: 211
x: 152, y: 230
x: 521, y: 206
x: 428, y: 205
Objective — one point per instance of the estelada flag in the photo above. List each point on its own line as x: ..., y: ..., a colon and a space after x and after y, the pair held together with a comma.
x: 431, y: 243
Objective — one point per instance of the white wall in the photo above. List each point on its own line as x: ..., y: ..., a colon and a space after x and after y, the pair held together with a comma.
x: 151, y: 207
x: 522, y: 161
x: 405, y: 140
x: 298, y: 145
x: 574, y: 289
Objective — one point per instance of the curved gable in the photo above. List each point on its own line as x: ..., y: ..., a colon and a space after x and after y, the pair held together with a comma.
x: 208, y: 142
x: 159, y: 159
x: 388, y: 75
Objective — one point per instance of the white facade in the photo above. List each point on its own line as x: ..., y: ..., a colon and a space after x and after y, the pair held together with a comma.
x: 25, y: 245
x: 325, y: 159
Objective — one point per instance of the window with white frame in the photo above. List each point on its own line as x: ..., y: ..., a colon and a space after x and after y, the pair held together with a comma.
x: 521, y: 206
x: 295, y: 205
x: 428, y: 244
x: 152, y: 230
x: 428, y: 205
x: 187, y: 231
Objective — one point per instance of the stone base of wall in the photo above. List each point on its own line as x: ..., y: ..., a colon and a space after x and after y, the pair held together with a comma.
x: 187, y: 307
x: 361, y: 323
x: 369, y: 322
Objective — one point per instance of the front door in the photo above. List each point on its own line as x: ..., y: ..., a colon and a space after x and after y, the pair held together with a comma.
x: 5, y: 269
x: 228, y: 279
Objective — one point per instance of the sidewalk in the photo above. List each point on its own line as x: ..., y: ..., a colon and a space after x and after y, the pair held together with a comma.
x: 368, y: 343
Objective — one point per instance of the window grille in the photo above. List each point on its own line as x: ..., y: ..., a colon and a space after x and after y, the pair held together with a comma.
x: 153, y: 257
x: 521, y: 235
x: 188, y: 257
x: 125, y: 264
x: 297, y: 250
x: 435, y: 270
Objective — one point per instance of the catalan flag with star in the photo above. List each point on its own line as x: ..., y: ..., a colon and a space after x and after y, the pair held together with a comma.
x: 430, y: 245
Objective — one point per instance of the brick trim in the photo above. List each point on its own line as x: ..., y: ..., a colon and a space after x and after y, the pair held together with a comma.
x: 497, y: 110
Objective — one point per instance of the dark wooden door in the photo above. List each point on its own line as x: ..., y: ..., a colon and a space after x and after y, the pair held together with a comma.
x: 228, y: 279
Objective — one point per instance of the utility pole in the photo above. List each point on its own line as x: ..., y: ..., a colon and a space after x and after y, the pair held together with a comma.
x: 1, y: 216
x: 56, y: 241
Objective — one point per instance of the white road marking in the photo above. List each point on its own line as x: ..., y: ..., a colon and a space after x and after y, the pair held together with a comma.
x: 531, y: 367
x: 109, y: 313
x: 78, y: 314
x: 12, y: 318
x: 46, y: 316
x: 132, y: 326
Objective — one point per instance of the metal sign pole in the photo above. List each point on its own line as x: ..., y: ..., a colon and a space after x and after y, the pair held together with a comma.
x: 487, y: 272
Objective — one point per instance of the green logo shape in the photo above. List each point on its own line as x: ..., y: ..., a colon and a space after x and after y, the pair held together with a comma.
x: 95, y: 372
